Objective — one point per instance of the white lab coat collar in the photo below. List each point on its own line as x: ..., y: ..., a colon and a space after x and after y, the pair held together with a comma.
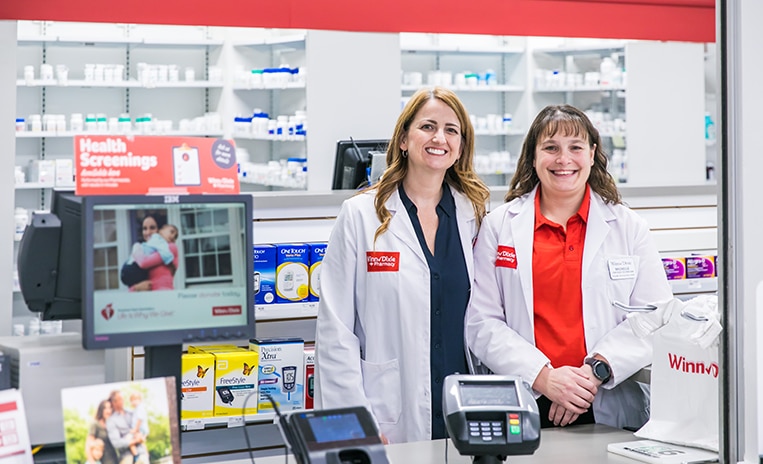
x: 522, y: 220
x: 400, y: 225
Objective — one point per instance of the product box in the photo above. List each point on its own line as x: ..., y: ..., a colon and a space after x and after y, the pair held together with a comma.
x: 675, y: 268
x: 699, y: 267
x: 292, y: 274
x: 264, y: 274
x: 309, y: 376
x: 281, y: 372
x: 43, y: 172
x: 64, y: 172
x: 235, y: 380
x: 317, y: 250
x: 212, y: 348
x: 197, y: 385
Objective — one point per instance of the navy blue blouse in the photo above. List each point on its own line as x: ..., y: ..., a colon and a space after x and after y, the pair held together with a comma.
x: 449, y: 283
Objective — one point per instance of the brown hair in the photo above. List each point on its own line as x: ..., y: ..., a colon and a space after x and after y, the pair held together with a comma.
x: 460, y: 176
x: 572, y: 122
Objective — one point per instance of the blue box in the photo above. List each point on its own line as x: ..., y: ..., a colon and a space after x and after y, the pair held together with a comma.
x: 292, y: 272
x: 264, y: 274
x: 317, y: 251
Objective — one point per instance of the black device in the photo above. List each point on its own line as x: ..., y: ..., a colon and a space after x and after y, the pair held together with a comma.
x: 600, y: 369
x: 353, y: 161
x: 226, y: 396
x: 490, y: 417
x: 333, y: 436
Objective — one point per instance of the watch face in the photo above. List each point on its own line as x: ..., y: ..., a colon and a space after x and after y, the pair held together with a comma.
x: 601, y: 370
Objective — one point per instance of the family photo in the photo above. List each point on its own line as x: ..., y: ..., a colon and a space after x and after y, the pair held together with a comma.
x: 120, y: 423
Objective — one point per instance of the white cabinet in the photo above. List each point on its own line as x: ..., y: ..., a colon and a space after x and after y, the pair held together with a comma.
x: 489, y: 75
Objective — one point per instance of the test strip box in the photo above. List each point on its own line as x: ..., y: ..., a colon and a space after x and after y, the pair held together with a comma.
x: 292, y: 272
x: 235, y: 379
x: 281, y: 372
x: 309, y: 377
x: 317, y: 251
x: 264, y: 274
x: 198, y: 385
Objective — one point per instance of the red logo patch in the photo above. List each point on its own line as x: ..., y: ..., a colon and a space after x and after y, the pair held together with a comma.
x: 382, y: 261
x: 107, y: 312
x: 506, y: 257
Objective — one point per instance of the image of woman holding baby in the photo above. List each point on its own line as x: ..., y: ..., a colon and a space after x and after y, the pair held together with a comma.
x: 154, y: 260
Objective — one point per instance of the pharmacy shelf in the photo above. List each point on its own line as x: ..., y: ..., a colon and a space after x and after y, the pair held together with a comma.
x: 461, y: 50
x: 689, y: 286
x: 596, y: 88
x: 286, y: 311
x: 467, y: 88
x: 229, y: 421
x: 50, y: 134
x: 128, y: 84
x: 293, y: 85
x: 153, y: 42
x: 582, y: 49
x: 511, y: 132
x: 38, y: 185
x: 272, y: 138
x: 270, y: 41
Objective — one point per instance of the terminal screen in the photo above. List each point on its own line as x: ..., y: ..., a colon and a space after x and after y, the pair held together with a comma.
x: 336, y: 428
x: 488, y: 394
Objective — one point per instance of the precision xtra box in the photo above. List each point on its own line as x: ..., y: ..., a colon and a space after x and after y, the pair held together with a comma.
x: 309, y: 376
x: 235, y: 379
x: 264, y: 274
x: 197, y: 385
x: 281, y: 372
x: 317, y: 251
x: 292, y: 275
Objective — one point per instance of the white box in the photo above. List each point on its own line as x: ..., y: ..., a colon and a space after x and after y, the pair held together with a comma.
x: 42, y: 172
x: 64, y: 173
x: 281, y: 372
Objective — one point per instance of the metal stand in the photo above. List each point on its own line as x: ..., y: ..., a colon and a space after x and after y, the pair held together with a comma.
x: 488, y: 459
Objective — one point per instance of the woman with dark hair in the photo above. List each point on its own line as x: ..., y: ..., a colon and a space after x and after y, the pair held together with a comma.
x: 549, y: 266
x: 98, y: 432
x: 396, y: 276
x: 154, y: 260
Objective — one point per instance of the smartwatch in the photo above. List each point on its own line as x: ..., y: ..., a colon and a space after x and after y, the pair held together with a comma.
x: 601, y: 369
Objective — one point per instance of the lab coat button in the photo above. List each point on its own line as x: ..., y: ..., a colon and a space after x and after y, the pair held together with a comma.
x: 436, y: 276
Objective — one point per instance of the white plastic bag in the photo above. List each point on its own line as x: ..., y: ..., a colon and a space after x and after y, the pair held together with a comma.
x: 684, y: 377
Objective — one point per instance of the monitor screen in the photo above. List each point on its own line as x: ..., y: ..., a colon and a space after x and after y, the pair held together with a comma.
x: 353, y: 158
x: 166, y: 270
x: 488, y: 394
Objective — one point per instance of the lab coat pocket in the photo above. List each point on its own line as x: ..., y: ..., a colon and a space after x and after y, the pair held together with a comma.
x: 381, y: 382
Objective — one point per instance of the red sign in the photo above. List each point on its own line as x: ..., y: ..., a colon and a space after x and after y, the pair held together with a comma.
x: 226, y: 310
x: 506, y: 256
x: 145, y: 165
x: 382, y: 261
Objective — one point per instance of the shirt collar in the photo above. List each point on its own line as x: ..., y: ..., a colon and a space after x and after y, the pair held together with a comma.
x: 582, y: 213
x: 447, y: 204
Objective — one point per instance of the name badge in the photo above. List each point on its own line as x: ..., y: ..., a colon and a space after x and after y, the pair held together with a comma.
x: 506, y: 256
x: 622, y: 268
x: 382, y: 261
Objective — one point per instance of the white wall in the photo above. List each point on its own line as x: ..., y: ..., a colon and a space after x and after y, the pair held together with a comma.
x: 353, y: 91
x: 7, y: 162
x: 665, y: 108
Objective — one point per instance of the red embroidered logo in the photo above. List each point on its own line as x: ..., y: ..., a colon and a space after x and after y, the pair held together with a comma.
x: 107, y: 312
x: 506, y: 257
x: 382, y: 261
x: 680, y: 363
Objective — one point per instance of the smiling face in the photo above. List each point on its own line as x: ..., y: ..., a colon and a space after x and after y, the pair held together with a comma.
x: 563, y: 163
x: 433, y: 139
x: 150, y: 227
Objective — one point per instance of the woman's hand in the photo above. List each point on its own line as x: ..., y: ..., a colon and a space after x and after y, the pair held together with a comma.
x: 143, y: 286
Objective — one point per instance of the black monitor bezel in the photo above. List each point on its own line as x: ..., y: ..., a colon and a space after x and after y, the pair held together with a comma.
x: 365, y: 146
x: 162, y: 337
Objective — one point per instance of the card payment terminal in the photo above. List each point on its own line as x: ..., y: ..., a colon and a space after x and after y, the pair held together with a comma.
x: 491, y: 416
x: 333, y: 436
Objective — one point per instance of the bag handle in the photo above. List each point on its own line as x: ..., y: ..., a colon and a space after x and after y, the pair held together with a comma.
x: 650, y: 307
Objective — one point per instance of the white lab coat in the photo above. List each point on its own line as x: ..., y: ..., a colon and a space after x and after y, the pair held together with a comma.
x: 373, y: 328
x: 500, y: 318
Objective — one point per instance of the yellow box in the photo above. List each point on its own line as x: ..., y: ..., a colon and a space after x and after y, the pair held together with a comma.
x: 235, y: 382
x: 212, y: 348
x: 198, y: 385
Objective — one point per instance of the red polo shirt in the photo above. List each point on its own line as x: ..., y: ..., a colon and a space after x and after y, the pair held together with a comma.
x: 557, y: 294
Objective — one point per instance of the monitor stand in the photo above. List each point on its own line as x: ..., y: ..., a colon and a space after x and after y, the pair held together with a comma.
x: 165, y: 361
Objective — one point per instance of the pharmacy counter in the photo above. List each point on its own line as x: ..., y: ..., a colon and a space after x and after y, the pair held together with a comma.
x: 580, y: 444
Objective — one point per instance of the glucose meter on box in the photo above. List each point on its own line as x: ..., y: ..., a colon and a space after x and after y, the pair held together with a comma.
x: 491, y: 416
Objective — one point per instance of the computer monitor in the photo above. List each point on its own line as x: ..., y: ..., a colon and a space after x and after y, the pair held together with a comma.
x: 352, y: 162
x: 167, y: 270
x: 49, y: 273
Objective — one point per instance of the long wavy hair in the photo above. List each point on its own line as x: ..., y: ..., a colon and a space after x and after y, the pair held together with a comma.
x: 460, y: 176
x: 570, y: 121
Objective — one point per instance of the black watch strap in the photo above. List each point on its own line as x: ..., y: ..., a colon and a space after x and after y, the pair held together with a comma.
x: 600, y: 369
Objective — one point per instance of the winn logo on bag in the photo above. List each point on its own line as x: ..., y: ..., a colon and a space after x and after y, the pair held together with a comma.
x: 680, y: 363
